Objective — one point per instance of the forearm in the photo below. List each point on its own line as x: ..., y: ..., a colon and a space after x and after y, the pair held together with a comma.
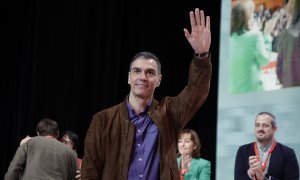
x: 199, y: 80
x: 191, y: 98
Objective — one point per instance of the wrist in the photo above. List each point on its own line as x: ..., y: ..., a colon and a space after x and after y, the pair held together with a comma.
x: 251, y: 174
x: 202, y: 55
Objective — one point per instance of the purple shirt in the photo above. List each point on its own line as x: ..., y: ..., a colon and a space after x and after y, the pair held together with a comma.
x: 144, y: 162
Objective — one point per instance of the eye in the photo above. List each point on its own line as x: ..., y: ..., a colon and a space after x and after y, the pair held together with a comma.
x: 135, y: 70
x: 151, y: 72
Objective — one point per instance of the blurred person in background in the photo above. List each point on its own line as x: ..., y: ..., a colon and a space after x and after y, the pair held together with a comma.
x: 250, y: 49
x: 266, y: 158
x: 70, y: 138
x: 43, y: 157
x: 191, y: 165
x: 288, y: 46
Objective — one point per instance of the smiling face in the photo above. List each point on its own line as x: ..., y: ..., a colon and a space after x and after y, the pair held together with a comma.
x: 143, y: 77
x: 186, y: 145
x: 264, y: 129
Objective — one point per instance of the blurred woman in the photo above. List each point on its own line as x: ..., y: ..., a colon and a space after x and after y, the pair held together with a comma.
x: 191, y: 166
x: 249, y: 49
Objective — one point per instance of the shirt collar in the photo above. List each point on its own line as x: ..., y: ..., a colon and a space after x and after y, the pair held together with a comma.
x: 264, y: 148
x: 131, y: 111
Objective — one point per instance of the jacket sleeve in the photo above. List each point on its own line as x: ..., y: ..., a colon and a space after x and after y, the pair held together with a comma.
x: 73, y: 166
x: 240, y: 167
x: 17, y: 165
x: 185, y: 105
x: 92, y: 166
x: 205, y: 171
x: 262, y: 52
x: 291, y: 169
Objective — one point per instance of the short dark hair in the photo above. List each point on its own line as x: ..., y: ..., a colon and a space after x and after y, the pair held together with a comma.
x: 46, y: 127
x: 146, y: 55
x: 73, y: 137
x: 196, y: 140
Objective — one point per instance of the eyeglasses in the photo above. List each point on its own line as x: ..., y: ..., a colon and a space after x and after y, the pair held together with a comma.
x: 67, y: 142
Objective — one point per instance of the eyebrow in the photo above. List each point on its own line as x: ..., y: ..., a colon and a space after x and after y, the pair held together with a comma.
x: 148, y: 69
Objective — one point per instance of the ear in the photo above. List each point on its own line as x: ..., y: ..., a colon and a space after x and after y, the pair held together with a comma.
x: 159, y: 80
x: 128, y: 81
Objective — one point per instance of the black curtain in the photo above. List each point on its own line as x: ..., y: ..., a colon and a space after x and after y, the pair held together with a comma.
x: 66, y: 60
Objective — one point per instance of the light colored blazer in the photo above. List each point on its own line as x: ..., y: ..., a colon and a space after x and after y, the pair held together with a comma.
x: 200, y: 169
x: 248, y: 53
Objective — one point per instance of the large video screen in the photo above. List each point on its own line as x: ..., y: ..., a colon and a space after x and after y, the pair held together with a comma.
x: 252, y: 79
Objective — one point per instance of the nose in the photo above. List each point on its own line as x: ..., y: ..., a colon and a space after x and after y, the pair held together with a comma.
x: 143, y: 75
x: 259, y: 128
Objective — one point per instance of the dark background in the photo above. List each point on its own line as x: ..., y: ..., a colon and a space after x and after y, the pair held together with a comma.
x: 66, y: 60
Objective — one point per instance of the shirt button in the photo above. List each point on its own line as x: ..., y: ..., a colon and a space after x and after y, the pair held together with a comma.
x: 140, y: 159
x: 139, y: 130
x: 139, y: 144
x: 141, y: 175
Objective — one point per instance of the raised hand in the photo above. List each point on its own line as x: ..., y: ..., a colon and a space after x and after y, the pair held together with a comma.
x: 200, y: 36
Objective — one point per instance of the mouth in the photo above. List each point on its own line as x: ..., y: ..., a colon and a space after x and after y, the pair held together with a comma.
x: 141, y: 85
x: 261, y: 133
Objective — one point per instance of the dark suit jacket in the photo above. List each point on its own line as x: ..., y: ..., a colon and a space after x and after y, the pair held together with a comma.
x: 283, y: 163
